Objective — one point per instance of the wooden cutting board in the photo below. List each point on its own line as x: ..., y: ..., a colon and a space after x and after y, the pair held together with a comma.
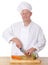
x: 25, y: 60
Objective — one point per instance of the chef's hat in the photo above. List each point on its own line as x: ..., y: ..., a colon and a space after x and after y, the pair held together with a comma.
x: 24, y: 5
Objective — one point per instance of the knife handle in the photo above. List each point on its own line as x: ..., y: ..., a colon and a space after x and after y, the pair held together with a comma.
x: 22, y: 49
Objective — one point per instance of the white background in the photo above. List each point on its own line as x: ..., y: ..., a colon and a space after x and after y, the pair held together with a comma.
x: 9, y: 15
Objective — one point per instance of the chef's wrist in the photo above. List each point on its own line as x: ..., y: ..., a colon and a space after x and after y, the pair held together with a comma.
x: 34, y: 49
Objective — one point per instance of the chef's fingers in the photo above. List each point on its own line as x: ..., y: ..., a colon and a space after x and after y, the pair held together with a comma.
x: 28, y: 52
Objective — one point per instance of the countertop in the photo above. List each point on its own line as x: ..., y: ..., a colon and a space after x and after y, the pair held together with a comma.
x: 6, y: 61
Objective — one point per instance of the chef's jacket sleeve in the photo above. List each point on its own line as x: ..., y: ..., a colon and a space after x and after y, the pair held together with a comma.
x: 40, y: 41
x: 8, y: 34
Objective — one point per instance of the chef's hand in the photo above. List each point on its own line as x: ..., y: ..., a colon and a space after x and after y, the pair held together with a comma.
x: 30, y: 51
x: 18, y: 42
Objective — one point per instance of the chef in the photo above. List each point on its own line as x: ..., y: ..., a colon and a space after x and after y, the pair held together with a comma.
x: 25, y: 34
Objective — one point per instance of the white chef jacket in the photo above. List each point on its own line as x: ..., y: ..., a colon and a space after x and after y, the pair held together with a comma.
x: 30, y: 36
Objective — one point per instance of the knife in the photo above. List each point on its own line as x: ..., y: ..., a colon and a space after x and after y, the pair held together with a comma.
x: 22, y: 50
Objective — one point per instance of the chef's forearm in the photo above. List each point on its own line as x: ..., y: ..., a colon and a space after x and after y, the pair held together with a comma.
x: 15, y: 40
